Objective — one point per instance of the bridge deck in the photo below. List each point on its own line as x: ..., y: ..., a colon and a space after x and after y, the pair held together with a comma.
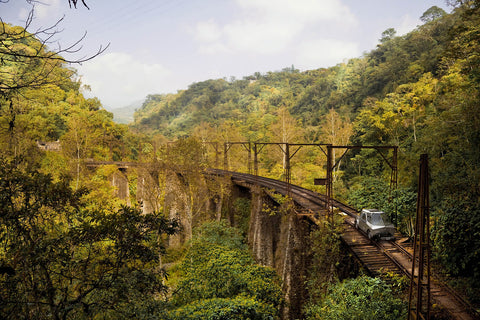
x: 378, y: 258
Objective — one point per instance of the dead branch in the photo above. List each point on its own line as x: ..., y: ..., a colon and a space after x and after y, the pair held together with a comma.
x: 32, y: 56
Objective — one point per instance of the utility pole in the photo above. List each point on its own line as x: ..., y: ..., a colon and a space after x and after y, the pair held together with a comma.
x: 419, y: 292
x: 330, y: 164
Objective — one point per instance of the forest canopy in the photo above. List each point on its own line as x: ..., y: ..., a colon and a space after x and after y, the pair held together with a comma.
x: 418, y: 91
x: 86, y: 253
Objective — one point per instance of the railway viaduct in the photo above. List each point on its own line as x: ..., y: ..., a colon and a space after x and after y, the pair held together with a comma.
x: 279, y: 238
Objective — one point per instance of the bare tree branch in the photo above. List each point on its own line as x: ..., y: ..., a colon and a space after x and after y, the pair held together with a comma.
x: 70, y: 2
x: 74, y: 2
x: 26, y: 61
x: 45, y: 36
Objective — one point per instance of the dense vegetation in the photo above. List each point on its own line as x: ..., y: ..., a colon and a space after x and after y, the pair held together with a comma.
x: 419, y: 91
x: 359, y: 298
x: 61, y: 259
x: 219, y: 279
x: 70, y: 250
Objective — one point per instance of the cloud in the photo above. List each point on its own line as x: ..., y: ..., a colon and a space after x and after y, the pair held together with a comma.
x: 302, y: 10
x: 23, y: 14
x: 117, y: 78
x: 259, y: 37
x: 43, y: 11
x: 46, y: 8
x: 325, y: 53
x: 207, y: 31
x: 268, y: 27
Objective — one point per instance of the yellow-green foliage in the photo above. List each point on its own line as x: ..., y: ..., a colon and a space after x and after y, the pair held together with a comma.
x: 70, y: 260
x: 360, y: 298
x: 218, y: 277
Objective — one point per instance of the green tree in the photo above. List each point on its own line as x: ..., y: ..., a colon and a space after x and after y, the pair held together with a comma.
x: 388, y: 34
x: 185, y: 163
x: 326, y: 253
x: 360, y: 298
x: 240, y: 307
x: 27, y: 62
x: 455, y: 237
x: 61, y: 260
x: 219, y: 277
x: 432, y: 13
x: 285, y: 129
x: 336, y: 131
x: 368, y: 192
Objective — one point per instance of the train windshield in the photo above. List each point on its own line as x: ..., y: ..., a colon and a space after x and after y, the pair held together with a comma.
x: 380, y: 219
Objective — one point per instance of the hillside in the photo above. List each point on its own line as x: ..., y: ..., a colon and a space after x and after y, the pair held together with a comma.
x: 124, y: 115
x: 419, y: 91
x: 72, y: 248
x: 346, y: 87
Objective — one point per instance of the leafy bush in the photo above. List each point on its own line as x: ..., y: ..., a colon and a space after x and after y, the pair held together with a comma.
x: 61, y: 259
x: 219, y: 277
x: 370, y: 192
x: 238, y: 308
x: 360, y: 298
x: 457, y: 237
x: 219, y: 233
x: 241, y: 210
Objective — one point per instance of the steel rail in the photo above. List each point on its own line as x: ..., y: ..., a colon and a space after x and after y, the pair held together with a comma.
x: 320, y: 200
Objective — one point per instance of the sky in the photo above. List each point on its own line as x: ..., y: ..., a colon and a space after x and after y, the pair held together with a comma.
x: 162, y: 46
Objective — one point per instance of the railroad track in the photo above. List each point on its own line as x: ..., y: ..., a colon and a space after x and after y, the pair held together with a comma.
x: 378, y: 257
x: 439, y: 290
